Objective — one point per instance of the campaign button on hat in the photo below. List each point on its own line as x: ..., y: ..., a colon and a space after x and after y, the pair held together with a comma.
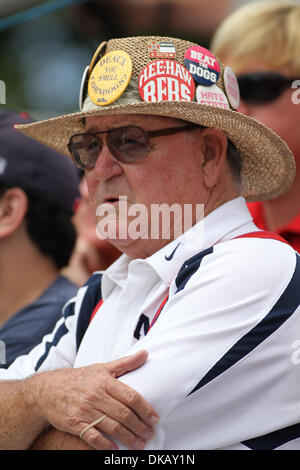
x: 100, y: 51
x: 202, y: 65
x: 83, y: 87
x: 162, y: 49
x: 110, y: 77
x: 232, y: 87
x: 212, y: 96
x: 166, y: 80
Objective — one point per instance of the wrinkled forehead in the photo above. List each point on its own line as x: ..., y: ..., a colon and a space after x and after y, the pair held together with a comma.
x: 141, y: 120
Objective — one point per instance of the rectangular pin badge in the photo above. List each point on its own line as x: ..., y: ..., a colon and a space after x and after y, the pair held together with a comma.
x: 162, y: 50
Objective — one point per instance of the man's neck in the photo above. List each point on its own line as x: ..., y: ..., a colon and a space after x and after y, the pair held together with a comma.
x: 24, y: 275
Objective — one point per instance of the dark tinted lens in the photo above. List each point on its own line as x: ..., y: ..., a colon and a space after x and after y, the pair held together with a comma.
x: 85, y: 149
x: 261, y: 88
x: 128, y: 144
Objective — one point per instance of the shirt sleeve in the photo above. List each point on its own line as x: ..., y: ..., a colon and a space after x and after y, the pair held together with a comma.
x: 57, y: 349
x: 225, y: 324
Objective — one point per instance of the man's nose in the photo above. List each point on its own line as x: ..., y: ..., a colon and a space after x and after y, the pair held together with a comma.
x: 106, y: 165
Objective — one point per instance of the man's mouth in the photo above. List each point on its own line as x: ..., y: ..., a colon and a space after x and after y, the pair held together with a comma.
x: 110, y: 200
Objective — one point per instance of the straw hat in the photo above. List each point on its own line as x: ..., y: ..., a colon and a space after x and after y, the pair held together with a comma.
x: 268, y: 165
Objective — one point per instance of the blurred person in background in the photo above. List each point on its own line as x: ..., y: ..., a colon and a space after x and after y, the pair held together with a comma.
x: 261, y: 42
x: 38, y: 189
x: 91, y: 253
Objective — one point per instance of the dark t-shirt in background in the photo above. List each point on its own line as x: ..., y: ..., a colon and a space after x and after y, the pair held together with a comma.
x: 26, y: 328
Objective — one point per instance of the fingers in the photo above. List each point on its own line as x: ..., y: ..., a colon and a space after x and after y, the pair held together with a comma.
x: 125, y: 394
x: 125, y: 418
x: 127, y: 363
x: 122, y: 434
x: 94, y: 423
x: 113, y: 429
x: 137, y: 409
x: 96, y: 440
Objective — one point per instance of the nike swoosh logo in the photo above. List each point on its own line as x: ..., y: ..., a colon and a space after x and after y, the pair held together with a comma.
x: 168, y: 258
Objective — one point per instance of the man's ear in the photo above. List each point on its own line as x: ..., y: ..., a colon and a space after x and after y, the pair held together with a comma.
x: 13, y: 209
x: 214, y: 146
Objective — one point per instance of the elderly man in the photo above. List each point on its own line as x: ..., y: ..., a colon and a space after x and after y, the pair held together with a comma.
x: 215, y: 307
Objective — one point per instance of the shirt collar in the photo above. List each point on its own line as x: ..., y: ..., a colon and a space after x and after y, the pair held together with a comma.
x: 224, y: 223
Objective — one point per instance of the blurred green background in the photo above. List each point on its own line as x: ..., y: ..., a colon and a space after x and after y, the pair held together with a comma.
x: 46, y: 45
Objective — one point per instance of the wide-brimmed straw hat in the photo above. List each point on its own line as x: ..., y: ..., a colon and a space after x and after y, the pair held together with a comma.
x: 177, y: 79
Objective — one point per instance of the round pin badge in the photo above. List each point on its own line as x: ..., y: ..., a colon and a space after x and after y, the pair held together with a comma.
x: 83, y: 87
x: 110, y: 77
x: 202, y: 65
x: 166, y: 80
x: 212, y: 96
x: 232, y: 87
x: 100, y: 51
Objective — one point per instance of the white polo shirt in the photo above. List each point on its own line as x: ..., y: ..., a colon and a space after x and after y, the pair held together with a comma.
x: 220, y: 371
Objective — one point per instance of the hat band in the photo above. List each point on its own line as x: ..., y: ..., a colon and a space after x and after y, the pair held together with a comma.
x: 130, y: 96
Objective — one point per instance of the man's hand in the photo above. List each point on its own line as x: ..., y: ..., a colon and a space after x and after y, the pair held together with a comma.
x: 71, y: 399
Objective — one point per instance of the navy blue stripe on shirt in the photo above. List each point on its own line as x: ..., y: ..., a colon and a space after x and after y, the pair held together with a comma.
x: 91, y: 298
x: 281, y: 311
x: 274, y: 439
x: 61, y: 331
x: 189, y: 268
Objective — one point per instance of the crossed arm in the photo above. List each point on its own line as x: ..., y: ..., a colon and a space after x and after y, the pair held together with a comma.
x: 71, y: 399
x: 184, y: 349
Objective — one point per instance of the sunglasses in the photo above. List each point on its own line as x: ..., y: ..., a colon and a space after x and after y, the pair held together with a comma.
x: 262, y: 87
x: 127, y: 144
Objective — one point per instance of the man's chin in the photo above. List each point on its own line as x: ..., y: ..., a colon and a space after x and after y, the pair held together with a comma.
x: 114, y: 231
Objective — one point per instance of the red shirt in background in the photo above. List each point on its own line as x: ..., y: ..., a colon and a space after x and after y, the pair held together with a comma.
x: 290, y: 232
